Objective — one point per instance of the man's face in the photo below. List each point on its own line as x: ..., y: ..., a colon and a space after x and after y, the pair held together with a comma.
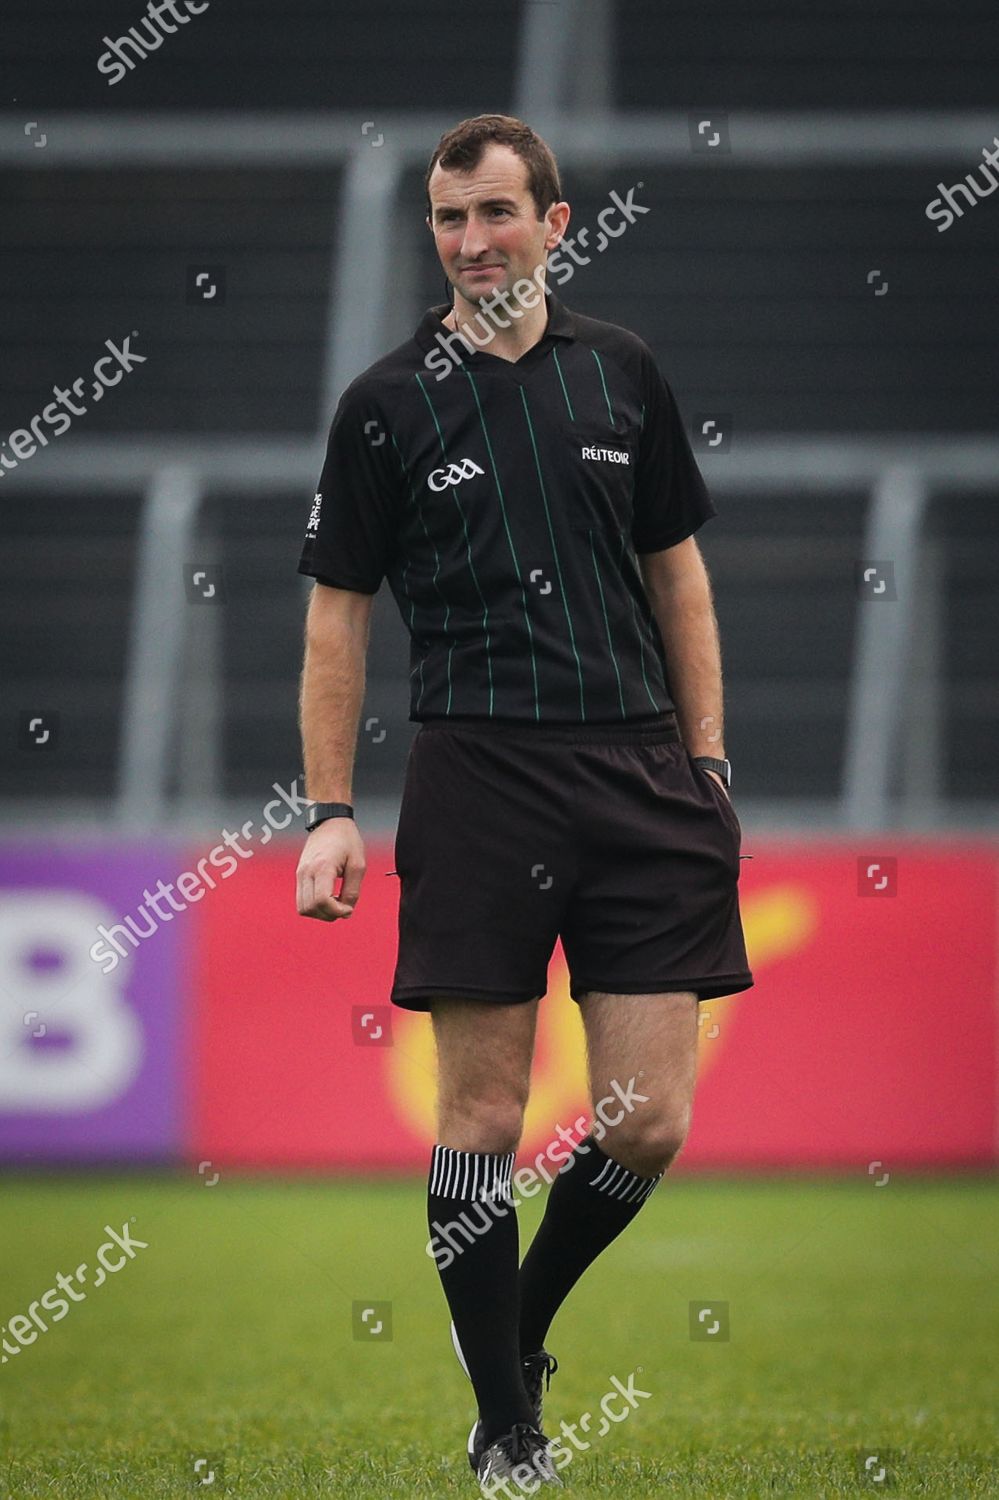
x: 486, y: 227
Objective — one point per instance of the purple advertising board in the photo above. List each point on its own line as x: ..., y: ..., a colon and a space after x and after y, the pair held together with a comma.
x: 90, y: 1038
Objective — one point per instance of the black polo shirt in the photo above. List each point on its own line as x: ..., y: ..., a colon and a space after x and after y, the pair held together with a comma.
x: 505, y: 502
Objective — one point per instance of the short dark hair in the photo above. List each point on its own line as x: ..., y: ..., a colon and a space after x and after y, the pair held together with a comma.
x: 460, y: 149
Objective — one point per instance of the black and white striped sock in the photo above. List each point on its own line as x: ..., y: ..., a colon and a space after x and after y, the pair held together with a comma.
x: 468, y: 1174
x: 475, y: 1244
x: 591, y: 1200
x: 618, y: 1183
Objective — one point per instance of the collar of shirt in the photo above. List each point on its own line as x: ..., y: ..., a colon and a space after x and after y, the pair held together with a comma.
x: 432, y: 330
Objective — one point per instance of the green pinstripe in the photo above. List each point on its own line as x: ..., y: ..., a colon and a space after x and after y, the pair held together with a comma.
x: 471, y: 565
x: 565, y: 393
x: 603, y: 606
x: 610, y: 414
x: 437, y: 561
x: 558, y: 567
x: 509, y: 536
x: 639, y: 632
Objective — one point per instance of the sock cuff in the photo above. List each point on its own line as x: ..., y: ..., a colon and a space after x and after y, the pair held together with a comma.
x: 471, y: 1175
x: 605, y: 1175
x: 625, y: 1186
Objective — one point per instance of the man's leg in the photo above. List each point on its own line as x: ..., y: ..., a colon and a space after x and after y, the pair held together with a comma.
x: 642, y: 1052
x: 484, y: 1053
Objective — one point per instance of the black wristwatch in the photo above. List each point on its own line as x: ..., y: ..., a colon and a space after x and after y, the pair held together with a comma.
x: 723, y: 767
x: 320, y: 811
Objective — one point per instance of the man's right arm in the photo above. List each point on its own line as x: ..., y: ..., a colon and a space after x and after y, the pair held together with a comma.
x: 332, y: 695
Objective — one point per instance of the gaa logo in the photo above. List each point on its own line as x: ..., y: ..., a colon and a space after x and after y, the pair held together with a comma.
x: 466, y: 468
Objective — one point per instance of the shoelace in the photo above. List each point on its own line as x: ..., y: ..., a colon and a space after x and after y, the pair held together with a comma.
x: 538, y: 1365
x: 525, y: 1442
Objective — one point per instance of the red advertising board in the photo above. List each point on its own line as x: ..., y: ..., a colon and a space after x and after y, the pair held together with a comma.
x: 870, y: 1035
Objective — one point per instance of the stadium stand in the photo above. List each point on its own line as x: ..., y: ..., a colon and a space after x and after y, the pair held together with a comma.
x: 750, y: 282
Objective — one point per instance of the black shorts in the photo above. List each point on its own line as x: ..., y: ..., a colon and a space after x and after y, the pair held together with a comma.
x: 608, y: 837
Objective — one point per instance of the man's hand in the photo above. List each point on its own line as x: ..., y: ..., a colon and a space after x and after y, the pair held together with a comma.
x: 708, y: 772
x: 333, y: 849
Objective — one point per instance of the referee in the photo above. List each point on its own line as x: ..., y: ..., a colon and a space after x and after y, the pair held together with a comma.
x: 521, y: 476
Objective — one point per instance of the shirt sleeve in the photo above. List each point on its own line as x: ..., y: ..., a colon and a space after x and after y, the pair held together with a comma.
x: 353, y: 524
x: 671, y: 499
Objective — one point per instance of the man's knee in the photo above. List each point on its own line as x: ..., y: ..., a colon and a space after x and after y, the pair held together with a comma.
x: 483, y: 1075
x: 648, y: 1145
x: 481, y: 1125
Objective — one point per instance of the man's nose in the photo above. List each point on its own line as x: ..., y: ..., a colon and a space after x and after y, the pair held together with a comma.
x: 474, y: 241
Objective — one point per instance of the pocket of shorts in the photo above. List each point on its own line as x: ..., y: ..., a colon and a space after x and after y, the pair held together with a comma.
x: 401, y: 846
x: 721, y: 794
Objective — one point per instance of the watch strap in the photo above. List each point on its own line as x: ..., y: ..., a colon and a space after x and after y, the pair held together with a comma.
x: 320, y: 812
x: 711, y: 763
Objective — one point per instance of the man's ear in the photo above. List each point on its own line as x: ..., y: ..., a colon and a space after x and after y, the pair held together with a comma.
x: 559, y: 223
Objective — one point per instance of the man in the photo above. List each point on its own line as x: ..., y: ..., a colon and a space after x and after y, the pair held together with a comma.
x: 521, y: 475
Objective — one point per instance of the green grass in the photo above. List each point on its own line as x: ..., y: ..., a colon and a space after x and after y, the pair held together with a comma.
x: 863, y: 1321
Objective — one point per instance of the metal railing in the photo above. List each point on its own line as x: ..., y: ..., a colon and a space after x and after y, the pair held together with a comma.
x: 892, y: 637
x: 362, y: 241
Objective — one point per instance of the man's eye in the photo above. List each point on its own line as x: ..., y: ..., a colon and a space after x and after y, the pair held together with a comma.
x: 452, y: 218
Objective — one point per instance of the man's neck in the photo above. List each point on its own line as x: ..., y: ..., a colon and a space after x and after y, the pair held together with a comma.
x: 485, y: 330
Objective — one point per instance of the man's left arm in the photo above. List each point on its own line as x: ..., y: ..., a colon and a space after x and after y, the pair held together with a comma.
x: 679, y: 591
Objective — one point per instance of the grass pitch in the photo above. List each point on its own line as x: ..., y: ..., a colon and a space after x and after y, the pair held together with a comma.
x: 228, y: 1357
